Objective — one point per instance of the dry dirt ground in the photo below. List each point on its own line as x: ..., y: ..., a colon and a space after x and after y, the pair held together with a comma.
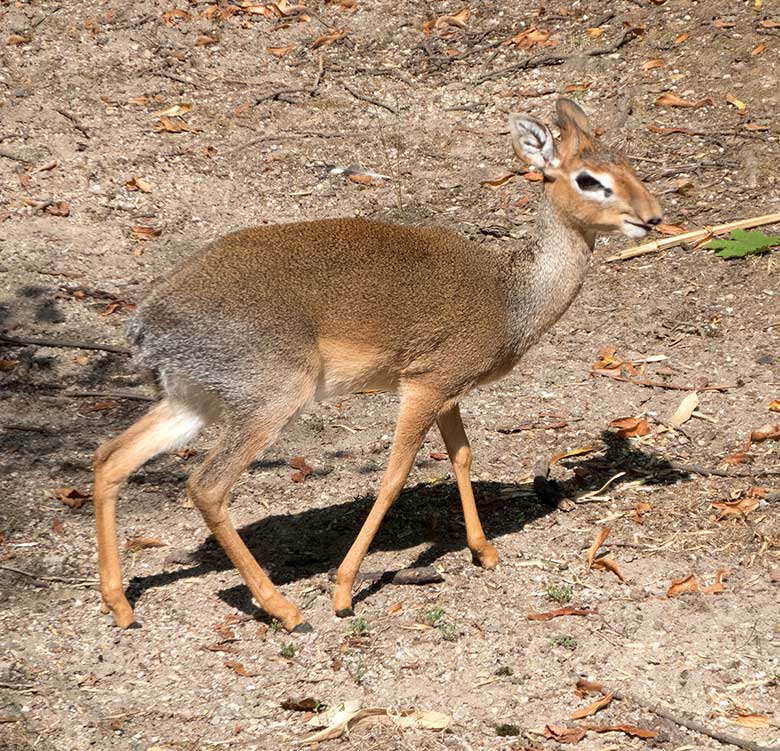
x: 80, y: 86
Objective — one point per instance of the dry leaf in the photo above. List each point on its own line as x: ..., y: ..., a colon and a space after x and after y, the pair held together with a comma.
x: 738, y: 103
x: 6, y: 365
x: 685, y: 410
x: 770, y: 24
x: 630, y: 427
x: 739, y: 458
x: 139, y: 100
x: 631, y: 730
x: 758, y: 49
x: 175, y: 110
x: 204, y: 40
x: 438, y: 456
x: 304, y: 470
x: 572, y: 87
x: 368, y: 180
x: 640, y: 510
x: 741, y: 507
x: 767, y: 432
x: 682, y: 38
x: 239, y: 669
x: 575, y: 452
x: 594, y: 31
x: 597, y: 543
x: 167, y: 125
x: 145, y: 233
x: 143, y: 543
x: 753, y: 721
x: 655, y: 62
x: 344, y: 717
x: 721, y: 24
x: 717, y: 587
x: 564, y: 735
x: 72, y: 497
x: 531, y: 37
x: 592, y: 708
x: 138, y: 183
x: 17, y: 39
x: 281, y: 51
x: 608, y: 564
x: 583, y: 687
x: 774, y: 405
x: 755, y: 126
x: 680, y: 586
x: 672, y: 100
x: 497, y: 181
x: 327, y: 39
x: 309, y: 704
x: 670, y: 229
x: 558, y: 613
x: 533, y: 177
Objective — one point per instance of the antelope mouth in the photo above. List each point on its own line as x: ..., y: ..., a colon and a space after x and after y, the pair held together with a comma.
x: 635, y: 229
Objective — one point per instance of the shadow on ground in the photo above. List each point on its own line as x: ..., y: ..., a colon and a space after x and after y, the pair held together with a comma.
x: 312, y: 542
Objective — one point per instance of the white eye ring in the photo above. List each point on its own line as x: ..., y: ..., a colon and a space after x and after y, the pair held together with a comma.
x: 594, y: 185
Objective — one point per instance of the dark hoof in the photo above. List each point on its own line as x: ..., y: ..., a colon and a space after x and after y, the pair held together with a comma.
x: 345, y: 613
x: 134, y: 624
x: 303, y: 628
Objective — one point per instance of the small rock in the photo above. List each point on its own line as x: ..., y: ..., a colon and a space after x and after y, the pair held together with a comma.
x: 774, y: 576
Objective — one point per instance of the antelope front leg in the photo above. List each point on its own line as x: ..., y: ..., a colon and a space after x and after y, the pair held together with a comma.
x: 451, y: 428
x: 418, y: 410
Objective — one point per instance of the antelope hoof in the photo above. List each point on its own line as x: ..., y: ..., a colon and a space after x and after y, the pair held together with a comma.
x: 121, y: 610
x: 342, y: 600
x: 485, y: 556
x: 292, y: 620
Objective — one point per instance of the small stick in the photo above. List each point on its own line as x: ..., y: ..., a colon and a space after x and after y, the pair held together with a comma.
x: 698, y: 469
x: 27, y: 428
x: 696, y: 235
x: 418, y: 575
x: 310, y: 90
x: 697, y: 727
x: 132, y: 396
x: 370, y: 100
x: 74, y: 121
x: 539, y: 61
x: 38, y: 577
x: 64, y: 344
x: 661, y: 384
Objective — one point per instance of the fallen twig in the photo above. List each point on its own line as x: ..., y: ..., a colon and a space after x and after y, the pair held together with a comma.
x: 661, y: 384
x: 689, y: 237
x: 699, y: 469
x: 541, y: 60
x: 64, y: 344
x: 694, y: 725
x: 370, y: 100
x: 75, y: 122
x: 418, y: 575
x: 310, y: 90
x: 27, y: 428
x: 38, y: 577
x: 131, y: 395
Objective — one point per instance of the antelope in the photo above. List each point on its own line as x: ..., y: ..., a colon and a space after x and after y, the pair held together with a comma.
x: 259, y: 324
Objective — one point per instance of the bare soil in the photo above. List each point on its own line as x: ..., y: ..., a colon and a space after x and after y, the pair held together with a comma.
x: 78, y: 95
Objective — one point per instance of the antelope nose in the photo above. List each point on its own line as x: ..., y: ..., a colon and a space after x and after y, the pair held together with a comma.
x: 653, y: 220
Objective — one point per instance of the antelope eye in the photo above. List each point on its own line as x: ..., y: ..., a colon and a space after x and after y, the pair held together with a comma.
x: 586, y: 181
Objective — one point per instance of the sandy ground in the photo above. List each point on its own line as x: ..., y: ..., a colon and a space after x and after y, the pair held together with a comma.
x: 80, y: 84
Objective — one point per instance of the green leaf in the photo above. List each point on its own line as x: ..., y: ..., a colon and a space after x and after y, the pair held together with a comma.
x: 743, y: 243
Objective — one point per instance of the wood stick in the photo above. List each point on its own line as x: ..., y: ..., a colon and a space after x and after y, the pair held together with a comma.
x: 64, y: 344
x: 661, y: 384
x: 370, y: 100
x: 694, y: 725
x: 417, y: 575
x: 38, y: 577
x: 541, y: 60
x: 131, y: 395
x: 74, y: 121
x: 694, y: 236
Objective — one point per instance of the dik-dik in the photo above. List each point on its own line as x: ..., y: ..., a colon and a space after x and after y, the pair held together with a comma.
x: 261, y: 323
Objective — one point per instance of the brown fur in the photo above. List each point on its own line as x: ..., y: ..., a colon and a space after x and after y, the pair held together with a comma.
x: 264, y: 320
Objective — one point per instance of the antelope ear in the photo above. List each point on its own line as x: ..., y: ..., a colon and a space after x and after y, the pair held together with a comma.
x: 533, y: 142
x: 569, y: 113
